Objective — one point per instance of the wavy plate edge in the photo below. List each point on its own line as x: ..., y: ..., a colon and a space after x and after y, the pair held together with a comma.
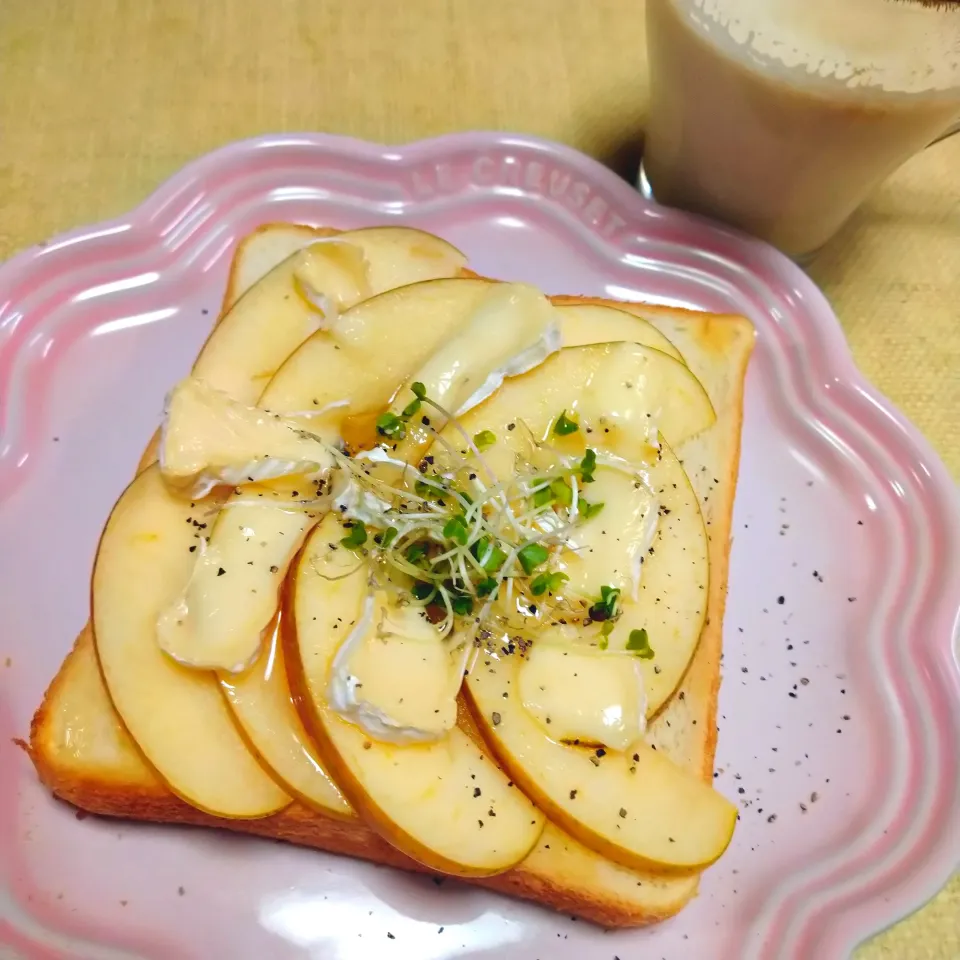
x: 591, y: 204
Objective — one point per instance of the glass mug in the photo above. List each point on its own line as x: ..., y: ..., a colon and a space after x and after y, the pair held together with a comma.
x: 780, y: 116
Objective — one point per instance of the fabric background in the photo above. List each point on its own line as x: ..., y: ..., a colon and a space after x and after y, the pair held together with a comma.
x: 101, y: 100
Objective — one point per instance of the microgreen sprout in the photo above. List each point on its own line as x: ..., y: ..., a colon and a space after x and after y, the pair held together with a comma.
x: 357, y: 536
x: 416, y: 552
x: 532, y: 556
x: 562, y: 493
x: 605, y: 632
x: 639, y: 643
x: 547, y: 583
x: 488, y: 554
x: 455, y: 529
x: 486, y: 587
x: 419, y: 392
x: 542, y: 495
x: 452, y: 537
x: 390, y: 425
x: 389, y: 535
x: 484, y: 439
x: 608, y: 606
x: 422, y: 591
x: 462, y: 604
x: 563, y: 426
x: 588, y: 465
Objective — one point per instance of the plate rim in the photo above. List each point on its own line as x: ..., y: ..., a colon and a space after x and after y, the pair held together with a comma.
x: 154, y: 224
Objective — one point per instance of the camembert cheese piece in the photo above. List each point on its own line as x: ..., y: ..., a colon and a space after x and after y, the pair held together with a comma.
x: 395, y: 676
x: 209, y: 439
x: 512, y: 329
x: 224, y: 612
x: 584, y: 697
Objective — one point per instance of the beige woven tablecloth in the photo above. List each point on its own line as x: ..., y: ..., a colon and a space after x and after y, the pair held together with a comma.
x: 100, y: 100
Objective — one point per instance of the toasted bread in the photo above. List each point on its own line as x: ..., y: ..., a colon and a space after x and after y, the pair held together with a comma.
x: 84, y: 756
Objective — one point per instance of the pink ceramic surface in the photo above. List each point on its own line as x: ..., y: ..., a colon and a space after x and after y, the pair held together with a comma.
x: 840, y: 706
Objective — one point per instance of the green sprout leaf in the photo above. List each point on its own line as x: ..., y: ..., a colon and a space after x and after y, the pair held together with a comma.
x: 357, y: 536
x: 455, y: 529
x: 639, y: 644
x: 590, y: 509
x: 390, y: 425
x: 389, y: 535
x: 416, y: 552
x: 547, y: 583
x: 411, y: 408
x: 489, y: 557
x: 422, y: 591
x: 484, y: 439
x: 532, y: 556
x: 542, y: 497
x: 562, y: 492
x: 485, y: 587
x: 606, y: 607
x: 462, y: 604
x: 418, y: 390
x: 588, y: 465
x: 564, y: 426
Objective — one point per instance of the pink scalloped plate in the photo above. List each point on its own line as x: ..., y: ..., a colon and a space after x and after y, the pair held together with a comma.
x: 840, y: 705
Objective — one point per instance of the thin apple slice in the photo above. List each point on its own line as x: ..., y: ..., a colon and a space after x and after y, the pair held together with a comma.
x: 622, y: 394
x: 636, y: 808
x: 622, y: 389
x: 398, y: 256
x: 355, y: 366
x: 261, y: 702
x: 178, y: 717
x: 262, y: 250
x: 271, y: 320
x: 274, y: 316
x: 661, y: 567
x: 395, y: 255
x: 443, y: 803
x: 585, y: 323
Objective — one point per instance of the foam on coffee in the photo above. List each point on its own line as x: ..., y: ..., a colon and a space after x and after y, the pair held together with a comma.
x: 825, y: 40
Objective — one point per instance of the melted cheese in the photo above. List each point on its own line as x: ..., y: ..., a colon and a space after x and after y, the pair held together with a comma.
x: 611, y: 547
x: 220, y: 619
x: 589, y: 697
x: 513, y: 329
x: 395, y: 677
x: 354, y: 503
x: 209, y: 439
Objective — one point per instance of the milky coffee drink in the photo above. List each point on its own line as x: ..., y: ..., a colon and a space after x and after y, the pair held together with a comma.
x: 780, y: 116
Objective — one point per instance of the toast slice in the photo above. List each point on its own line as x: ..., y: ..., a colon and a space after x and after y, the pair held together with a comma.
x: 84, y: 756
